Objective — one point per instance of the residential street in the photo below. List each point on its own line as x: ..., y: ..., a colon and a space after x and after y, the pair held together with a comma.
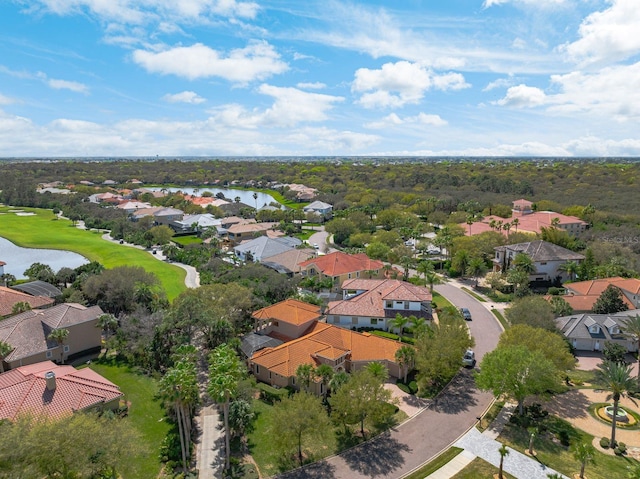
x: 417, y: 440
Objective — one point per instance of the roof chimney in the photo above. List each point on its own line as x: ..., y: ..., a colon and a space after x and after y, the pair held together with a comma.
x: 50, y: 377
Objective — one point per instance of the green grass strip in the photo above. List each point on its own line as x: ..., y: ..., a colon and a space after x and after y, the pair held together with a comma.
x: 44, y: 230
x: 501, y: 318
x: 475, y: 295
x: 435, y: 464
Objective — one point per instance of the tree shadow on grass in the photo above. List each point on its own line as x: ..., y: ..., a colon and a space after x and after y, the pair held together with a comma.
x: 377, y: 457
x: 458, y: 396
x: 317, y: 470
x: 570, y: 405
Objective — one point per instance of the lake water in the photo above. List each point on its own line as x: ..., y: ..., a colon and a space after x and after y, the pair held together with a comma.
x: 246, y: 196
x: 19, y: 259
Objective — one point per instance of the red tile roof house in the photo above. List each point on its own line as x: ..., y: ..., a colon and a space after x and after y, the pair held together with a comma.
x: 529, y: 221
x: 10, y: 297
x: 374, y: 303
x: 294, y: 336
x: 28, y: 334
x: 582, y: 295
x: 45, y: 388
x: 341, y: 267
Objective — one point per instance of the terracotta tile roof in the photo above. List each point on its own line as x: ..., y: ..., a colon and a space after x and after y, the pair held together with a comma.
x: 290, y: 311
x: 9, y: 297
x: 24, y: 389
x: 376, y: 291
x: 27, y: 332
x: 338, y: 263
x: 528, y: 223
x: 597, y: 286
x: 327, y: 341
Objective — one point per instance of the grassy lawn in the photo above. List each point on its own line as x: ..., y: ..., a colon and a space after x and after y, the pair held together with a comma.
x: 440, y: 300
x: 501, y: 318
x: 436, y: 464
x: 145, y: 413
x: 474, y: 294
x: 43, y: 230
x: 480, y: 469
x: 186, y: 240
x: 580, y: 378
x: 560, y: 458
x: 261, y: 448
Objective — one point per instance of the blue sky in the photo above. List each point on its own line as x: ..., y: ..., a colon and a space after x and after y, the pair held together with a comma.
x: 291, y: 77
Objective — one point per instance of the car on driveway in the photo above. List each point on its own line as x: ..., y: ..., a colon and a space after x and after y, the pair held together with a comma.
x: 469, y: 359
x: 466, y: 314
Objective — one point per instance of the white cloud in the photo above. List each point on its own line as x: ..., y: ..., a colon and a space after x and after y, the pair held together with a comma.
x: 500, y: 83
x: 396, y: 84
x: 395, y: 120
x: 609, y: 35
x: 312, y: 85
x: 522, y: 96
x: 184, y: 97
x: 611, y: 92
x: 5, y: 100
x: 138, y: 12
x: 256, y: 61
x: 527, y: 3
x: 290, y: 107
x: 68, y: 85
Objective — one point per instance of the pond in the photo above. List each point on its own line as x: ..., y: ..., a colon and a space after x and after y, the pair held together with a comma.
x: 19, y: 259
x: 246, y: 196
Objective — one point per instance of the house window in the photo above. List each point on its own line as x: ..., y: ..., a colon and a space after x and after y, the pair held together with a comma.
x: 357, y: 274
x: 354, y: 320
x: 275, y: 323
x: 269, y: 374
x: 65, y: 348
x: 406, y: 305
x: 389, y: 304
x: 293, y: 380
x: 257, y: 369
x: 615, y: 330
x: 349, y: 276
x: 49, y: 354
x: 374, y: 321
x: 543, y: 263
x: 594, y: 329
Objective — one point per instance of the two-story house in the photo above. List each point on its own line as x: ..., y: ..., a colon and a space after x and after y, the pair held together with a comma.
x: 322, y: 209
x: 374, y: 303
x: 340, y: 267
x: 590, y: 332
x: 547, y: 259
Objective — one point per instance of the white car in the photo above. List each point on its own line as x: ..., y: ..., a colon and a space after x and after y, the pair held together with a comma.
x: 469, y: 359
x: 433, y: 251
x: 315, y: 246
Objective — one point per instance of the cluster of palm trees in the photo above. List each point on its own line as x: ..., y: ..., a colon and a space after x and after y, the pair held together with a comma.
x: 499, y: 225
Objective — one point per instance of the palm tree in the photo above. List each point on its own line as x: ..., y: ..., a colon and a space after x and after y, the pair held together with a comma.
x: 378, y: 370
x: 179, y: 388
x: 507, y: 228
x: 571, y: 268
x: 476, y: 268
x: 616, y: 379
x: 325, y: 373
x: 492, y: 224
x: 631, y: 329
x: 255, y: 198
x: 503, y: 452
x: 523, y: 262
x: 338, y: 380
x: 405, y: 357
x: 225, y: 370
x: 399, y: 323
x: 419, y: 326
x: 470, y: 220
x: 515, y: 222
x: 5, y: 350
x: 533, y: 431
x: 584, y: 453
x: 59, y: 335
x: 425, y: 267
x: 305, y: 374
x: 108, y: 323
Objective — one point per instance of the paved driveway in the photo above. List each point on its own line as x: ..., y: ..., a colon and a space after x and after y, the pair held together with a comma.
x: 406, y: 447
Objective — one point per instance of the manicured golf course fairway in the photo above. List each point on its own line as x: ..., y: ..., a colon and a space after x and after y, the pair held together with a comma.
x: 44, y: 230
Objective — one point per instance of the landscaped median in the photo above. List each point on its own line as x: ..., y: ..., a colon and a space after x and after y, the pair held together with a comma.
x: 45, y: 230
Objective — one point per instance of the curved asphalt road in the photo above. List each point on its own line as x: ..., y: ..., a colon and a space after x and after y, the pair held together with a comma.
x: 399, y: 451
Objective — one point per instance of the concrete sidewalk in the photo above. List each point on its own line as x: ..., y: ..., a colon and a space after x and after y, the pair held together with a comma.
x: 485, y: 446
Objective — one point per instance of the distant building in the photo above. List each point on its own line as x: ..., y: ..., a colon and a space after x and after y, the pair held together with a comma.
x: 340, y: 267
x: 324, y: 210
x: 582, y: 295
x: 525, y: 220
x: 262, y: 247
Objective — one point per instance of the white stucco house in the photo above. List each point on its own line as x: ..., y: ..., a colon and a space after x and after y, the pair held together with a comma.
x: 547, y: 258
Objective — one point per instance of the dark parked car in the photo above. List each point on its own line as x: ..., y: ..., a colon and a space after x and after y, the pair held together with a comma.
x: 466, y: 314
